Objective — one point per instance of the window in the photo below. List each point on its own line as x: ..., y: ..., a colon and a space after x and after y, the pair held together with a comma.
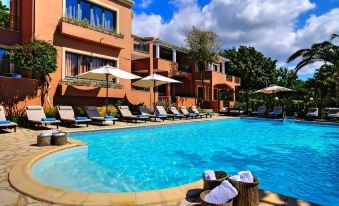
x: 72, y: 8
x: 96, y: 15
x: 85, y: 11
x: 201, y: 92
x: 8, y: 15
x: 4, y: 62
x: 108, y: 20
x: 77, y: 63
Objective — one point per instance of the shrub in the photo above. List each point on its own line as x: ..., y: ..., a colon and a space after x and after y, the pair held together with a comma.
x: 51, y: 112
x: 111, y: 110
x: 165, y: 103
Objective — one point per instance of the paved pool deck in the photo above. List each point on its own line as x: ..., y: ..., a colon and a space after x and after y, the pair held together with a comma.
x: 18, y: 149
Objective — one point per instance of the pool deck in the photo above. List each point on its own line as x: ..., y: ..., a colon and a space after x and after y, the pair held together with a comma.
x: 17, y: 187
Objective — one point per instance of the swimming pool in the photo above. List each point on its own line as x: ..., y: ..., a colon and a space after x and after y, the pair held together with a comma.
x: 295, y: 159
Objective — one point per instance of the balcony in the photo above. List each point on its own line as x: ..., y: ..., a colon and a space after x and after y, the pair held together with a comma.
x: 90, y: 88
x: 141, y: 47
x: 91, y: 35
x: 165, y: 65
x: 220, y: 78
x: 185, y: 68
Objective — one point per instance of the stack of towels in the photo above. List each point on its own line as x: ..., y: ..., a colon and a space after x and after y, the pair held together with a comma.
x: 243, y: 176
x: 209, y: 175
x: 225, y: 191
x: 221, y: 194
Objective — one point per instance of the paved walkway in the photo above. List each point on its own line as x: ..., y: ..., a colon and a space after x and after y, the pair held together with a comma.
x: 22, y: 144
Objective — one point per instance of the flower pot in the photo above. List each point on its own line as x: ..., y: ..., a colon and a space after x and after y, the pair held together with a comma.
x: 15, y: 75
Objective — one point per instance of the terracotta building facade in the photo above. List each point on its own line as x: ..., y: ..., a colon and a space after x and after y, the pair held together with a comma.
x: 90, y: 34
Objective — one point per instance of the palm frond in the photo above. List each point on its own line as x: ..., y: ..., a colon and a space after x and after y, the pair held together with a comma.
x: 299, y: 53
x: 334, y: 36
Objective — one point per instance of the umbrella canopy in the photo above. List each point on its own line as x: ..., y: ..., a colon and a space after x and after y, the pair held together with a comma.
x: 107, y: 71
x: 273, y: 89
x: 154, y: 80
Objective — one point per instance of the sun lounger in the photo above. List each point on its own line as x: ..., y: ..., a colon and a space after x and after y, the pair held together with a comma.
x: 144, y: 111
x: 162, y: 112
x: 236, y: 112
x: 224, y: 111
x: 4, y: 123
x: 126, y: 114
x: 189, y: 114
x: 195, y: 111
x: 277, y: 111
x: 67, y: 116
x: 260, y: 111
x: 93, y: 114
x: 37, y: 116
x: 333, y: 113
x: 312, y: 113
x: 177, y: 113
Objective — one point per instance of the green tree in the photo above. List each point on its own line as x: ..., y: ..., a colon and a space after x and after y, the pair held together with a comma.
x: 4, y: 15
x: 204, y: 47
x: 40, y: 57
x: 255, y: 70
x: 326, y: 52
x: 322, y: 85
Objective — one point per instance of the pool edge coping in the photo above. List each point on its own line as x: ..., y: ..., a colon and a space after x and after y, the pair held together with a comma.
x: 20, y: 179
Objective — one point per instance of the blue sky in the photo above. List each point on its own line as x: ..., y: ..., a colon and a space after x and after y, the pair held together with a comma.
x: 276, y: 28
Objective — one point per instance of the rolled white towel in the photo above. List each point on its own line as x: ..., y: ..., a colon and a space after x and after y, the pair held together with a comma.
x: 221, y: 194
x: 246, y: 176
x: 243, y: 176
x: 209, y: 175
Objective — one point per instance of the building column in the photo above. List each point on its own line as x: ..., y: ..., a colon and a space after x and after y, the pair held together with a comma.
x: 223, y: 69
x: 210, y: 67
x: 157, y: 51
x: 174, y: 55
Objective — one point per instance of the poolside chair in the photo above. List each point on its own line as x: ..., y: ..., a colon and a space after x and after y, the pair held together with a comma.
x: 67, y: 116
x: 126, y: 114
x: 4, y: 123
x: 177, y: 113
x: 144, y: 111
x: 161, y: 111
x: 37, y: 116
x: 333, y: 113
x: 224, y: 111
x: 93, y: 114
x: 260, y: 111
x: 189, y: 114
x: 277, y: 111
x: 236, y: 112
x: 195, y: 111
x: 312, y: 113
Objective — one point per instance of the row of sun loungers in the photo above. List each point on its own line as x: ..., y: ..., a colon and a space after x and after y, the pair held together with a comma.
x: 313, y: 112
x: 37, y: 117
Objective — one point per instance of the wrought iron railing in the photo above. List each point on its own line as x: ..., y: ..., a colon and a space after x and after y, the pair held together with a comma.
x: 93, y: 83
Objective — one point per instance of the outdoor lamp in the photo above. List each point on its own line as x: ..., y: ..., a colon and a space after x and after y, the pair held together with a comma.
x: 276, y: 98
x: 311, y: 99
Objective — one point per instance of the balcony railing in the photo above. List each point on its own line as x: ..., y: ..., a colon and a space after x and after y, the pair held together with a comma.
x: 91, y: 83
x: 228, y: 77
x: 237, y: 80
x: 9, y: 23
x: 143, y: 47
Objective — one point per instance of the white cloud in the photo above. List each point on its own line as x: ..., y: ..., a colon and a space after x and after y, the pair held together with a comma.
x: 268, y: 25
x: 145, y: 3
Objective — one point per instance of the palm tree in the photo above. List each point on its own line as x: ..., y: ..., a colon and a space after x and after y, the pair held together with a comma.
x: 326, y: 52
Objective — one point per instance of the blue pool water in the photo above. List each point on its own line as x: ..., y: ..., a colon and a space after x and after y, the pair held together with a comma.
x: 295, y: 159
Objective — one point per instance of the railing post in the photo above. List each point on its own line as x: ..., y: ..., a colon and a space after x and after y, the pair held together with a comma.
x: 157, y: 51
x: 174, y: 55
